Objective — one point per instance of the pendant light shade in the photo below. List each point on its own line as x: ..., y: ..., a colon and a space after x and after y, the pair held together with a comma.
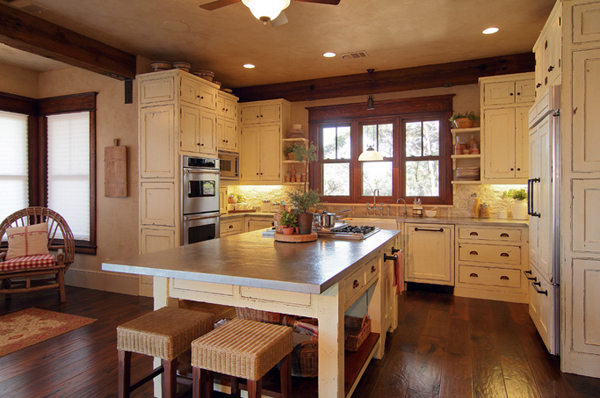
x: 370, y: 155
x: 266, y: 10
x: 370, y: 103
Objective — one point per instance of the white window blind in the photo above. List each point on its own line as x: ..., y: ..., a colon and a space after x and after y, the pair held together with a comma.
x: 69, y: 170
x: 14, y: 186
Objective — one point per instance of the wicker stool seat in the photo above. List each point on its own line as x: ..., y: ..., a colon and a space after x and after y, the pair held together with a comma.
x: 165, y: 333
x: 242, y: 348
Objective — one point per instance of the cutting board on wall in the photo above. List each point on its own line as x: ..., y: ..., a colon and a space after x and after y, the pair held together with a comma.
x: 115, y: 171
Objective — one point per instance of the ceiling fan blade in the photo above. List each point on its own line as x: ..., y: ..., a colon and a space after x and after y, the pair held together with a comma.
x: 218, y: 4
x: 332, y: 2
x: 280, y: 20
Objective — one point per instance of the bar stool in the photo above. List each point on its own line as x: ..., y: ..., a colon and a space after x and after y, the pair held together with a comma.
x: 242, y: 348
x: 165, y: 333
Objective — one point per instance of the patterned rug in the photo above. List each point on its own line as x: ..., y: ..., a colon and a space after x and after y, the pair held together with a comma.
x: 28, y: 327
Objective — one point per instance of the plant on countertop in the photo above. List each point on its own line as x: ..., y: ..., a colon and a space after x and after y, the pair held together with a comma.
x: 469, y: 115
x: 289, y: 219
x: 516, y: 194
x: 305, y: 202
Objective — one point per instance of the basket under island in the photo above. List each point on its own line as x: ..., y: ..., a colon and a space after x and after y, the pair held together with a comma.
x: 320, y: 279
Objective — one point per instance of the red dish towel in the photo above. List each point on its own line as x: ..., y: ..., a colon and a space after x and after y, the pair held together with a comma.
x: 399, y: 273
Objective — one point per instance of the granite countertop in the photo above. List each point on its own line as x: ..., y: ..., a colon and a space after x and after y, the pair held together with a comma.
x: 450, y: 220
x: 251, y: 260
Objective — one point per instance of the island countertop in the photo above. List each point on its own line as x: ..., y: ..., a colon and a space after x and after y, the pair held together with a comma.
x: 251, y: 260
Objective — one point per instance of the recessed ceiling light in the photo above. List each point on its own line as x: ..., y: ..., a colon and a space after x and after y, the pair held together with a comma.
x: 329, y: 54
x: 249, y: 66
x: 175, y: 26
x: 490, y: 31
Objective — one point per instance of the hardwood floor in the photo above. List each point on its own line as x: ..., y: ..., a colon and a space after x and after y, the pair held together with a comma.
x: 445, y: 346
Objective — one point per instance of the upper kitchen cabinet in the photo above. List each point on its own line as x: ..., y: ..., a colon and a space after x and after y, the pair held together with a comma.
x: 505, y: 127
x: 262, y: 126
x: 194, y: 101
x: 548, y: 52
x: 227, y: 122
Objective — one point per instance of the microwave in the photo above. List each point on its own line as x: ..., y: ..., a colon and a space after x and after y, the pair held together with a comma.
x: 230, y: 166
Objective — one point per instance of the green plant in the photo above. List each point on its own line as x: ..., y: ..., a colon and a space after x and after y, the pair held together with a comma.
x: 305, y: 201
x: 289, y: 149
x: 289, y: 218
x: 468, y: 115
x: 517, y: 194
x: 306, y: 154
x: 239, y: 198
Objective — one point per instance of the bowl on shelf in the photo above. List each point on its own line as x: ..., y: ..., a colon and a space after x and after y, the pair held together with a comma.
x: 161, y: 65
x: 430, y: 213
x: 184, y: 66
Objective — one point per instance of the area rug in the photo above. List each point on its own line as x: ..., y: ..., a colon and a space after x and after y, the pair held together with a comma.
x: 28, y: 327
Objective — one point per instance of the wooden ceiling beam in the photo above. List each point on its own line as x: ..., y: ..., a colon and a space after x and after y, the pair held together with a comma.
x: 420, y: 77
x: 35, y: 35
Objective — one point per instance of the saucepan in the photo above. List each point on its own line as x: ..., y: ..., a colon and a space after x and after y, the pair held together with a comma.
x: 327, y: 220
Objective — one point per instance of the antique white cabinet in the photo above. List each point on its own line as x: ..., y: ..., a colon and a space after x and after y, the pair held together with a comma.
x: 429, y: 256
x: 227, y: 122
x: 254, y: 223
x: 505, y: 103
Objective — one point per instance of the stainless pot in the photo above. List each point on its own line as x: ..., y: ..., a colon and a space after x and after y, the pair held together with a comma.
x: 327, y: 220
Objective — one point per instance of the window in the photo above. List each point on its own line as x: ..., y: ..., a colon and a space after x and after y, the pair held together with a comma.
x: 412, y: 135
x: 54, y: 165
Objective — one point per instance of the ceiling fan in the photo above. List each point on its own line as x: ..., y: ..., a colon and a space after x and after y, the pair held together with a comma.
x: 265, y: 10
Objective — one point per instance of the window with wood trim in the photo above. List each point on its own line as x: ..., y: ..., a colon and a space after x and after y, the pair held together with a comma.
x: 412, y: 135
x: 58, y: 160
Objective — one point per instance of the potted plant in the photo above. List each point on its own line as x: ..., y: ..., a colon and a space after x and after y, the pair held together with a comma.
x: 289, y: 221
x: 288, y: 151
x: 306, y: 154
x: 305, y: 203
x: 464, y: 120
x: 518, y: 204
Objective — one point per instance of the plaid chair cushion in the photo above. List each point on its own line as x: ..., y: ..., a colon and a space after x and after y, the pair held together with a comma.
x: 28, y: 262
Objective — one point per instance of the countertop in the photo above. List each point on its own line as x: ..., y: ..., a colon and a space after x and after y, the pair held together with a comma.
x: 251, y: 260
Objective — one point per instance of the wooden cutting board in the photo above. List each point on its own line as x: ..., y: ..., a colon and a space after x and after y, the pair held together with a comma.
x: 115, y: 171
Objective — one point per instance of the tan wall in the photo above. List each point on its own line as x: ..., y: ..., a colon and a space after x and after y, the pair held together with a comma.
x: 18, y: 81
x: 117, y: 233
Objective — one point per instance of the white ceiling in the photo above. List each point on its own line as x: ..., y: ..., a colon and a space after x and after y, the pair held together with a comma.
x: 395, y: 33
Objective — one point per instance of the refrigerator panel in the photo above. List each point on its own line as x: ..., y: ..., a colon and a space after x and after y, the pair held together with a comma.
x: 543, y: 309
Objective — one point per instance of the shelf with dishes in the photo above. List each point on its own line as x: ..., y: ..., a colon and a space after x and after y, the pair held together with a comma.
x: 466, y: 161
x: 294, y: 171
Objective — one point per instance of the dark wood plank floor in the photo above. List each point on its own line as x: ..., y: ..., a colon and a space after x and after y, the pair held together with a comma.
x: 445, y: 346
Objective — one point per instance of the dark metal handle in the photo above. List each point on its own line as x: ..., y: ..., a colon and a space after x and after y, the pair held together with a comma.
x: 529, y: 196
x: 355, y: 284
x: 474, y: 253
x: 504, y: 235
x: 474, y: 275
x: 535, y: 285
x: 387, y: 257
x: 533, y: 213
x: 430, y: 230
x: 474, y: 234
x: 529, y: 273
x: 394, y: 250
x: 550, y: 68
x: 504, y: 255
x: 373, y: 268
x: 504, y: 277
x: 511, y: 94
x: 538, y: 85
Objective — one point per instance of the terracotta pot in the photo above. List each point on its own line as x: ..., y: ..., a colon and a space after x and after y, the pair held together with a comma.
x: 288, y: 230
x: 305, y: 223
x: 463, y: 123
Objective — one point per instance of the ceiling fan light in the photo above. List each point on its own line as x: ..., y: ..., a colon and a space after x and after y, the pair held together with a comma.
x: 266, y: 10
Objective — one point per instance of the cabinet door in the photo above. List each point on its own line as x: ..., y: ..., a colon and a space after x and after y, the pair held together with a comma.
x: 524, y: 91
x: 208, y: 134
x: 251, y: 114
x: 522, y: 142
x: 197, y: 93
x: 429, y: 254
x: 157, y: 142
x: 189, y: 129
x: 250, y: 156
x: 270, y: 113
x: 539, y: 72
x: 157, y: 203
x: 230, y: 135
x: 256, y: 224
x: 157, y: 90
x: 552, y: 58
x: 499, y: 143
x: 270, y: 156
x: 502, y: 93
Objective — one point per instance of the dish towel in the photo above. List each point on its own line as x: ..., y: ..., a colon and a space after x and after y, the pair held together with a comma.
x: 399, y: 273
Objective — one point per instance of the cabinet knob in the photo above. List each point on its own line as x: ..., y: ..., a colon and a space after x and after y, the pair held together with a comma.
x: 518, y: 93
x: 518, y: 169
x: 231, y: 226
x: 474, y: 275
x: 373, y: 269
x: 512, y: 169
x: 511, y: 94
x: 550, y: 68
x: 538, y: 85
x: 355, y: 284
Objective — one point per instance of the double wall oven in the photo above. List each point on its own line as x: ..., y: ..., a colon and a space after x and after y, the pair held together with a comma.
x: 199, y: 199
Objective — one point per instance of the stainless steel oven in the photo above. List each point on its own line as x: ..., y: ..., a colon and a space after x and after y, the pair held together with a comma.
x: 199, y: 199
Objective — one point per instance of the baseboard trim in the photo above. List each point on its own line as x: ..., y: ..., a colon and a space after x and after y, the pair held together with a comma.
x: 100, y: 280
x: 513, y: 297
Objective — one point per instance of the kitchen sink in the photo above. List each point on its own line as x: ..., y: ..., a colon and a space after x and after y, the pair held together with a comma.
x: 382, y: 223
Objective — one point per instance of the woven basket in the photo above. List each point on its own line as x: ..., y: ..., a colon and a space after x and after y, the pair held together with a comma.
x: 305, y: 359
x: 357, y: 331
x: 258, y: 315
x: 463, y: 123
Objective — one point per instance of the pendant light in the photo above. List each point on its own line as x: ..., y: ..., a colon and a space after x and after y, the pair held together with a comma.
x: 370, y: 81
x: 266, y: 10
x: 370, y: 155
x: 370, y: 103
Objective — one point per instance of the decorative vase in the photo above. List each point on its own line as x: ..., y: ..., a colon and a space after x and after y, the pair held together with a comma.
x: 519, y: 210
x: 463, y: 123
x: 305, y: 223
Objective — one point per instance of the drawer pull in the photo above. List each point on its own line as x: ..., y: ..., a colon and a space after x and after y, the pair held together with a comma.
x: 528, y: 277
x: 430, y: 230
x: 474, y: 275
x: 504, y: 235
x: 474, y: 234
x: 504, y: 255
x: 231, y: 226
x: 535, y: 285
x: 394, y: 250
x: 355, y: 284
x: 373, y: 268
x: 387, y: 257
x: 504, y: 277
x: 474, y: 253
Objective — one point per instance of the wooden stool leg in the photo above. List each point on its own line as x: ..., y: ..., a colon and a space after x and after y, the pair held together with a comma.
x: 235, y: 387
x: 196, y: 375
x: 286, y: 376
x: 124, y: 374
x: 207, y: 383
x: 61, y: 285
x: 169, y: 378
x: 254, y: 388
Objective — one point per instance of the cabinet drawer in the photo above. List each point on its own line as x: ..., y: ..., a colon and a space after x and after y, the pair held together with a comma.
x: 232, y: 227
x: 198, y: 94
x: 157, y: 90
x: 489, y: 276
x: 354, y: 283
x: 497, y: 234
x: 372, y: 269
x: 499, y: 254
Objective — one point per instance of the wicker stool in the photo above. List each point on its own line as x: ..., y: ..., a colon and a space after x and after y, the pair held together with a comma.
x: 242, y: 348
x: 165, y: 333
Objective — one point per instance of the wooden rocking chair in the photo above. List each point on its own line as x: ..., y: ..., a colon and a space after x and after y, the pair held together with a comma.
x: 37, y: 272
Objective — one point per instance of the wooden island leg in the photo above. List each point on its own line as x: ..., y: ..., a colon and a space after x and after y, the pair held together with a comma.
x: 331, y: 343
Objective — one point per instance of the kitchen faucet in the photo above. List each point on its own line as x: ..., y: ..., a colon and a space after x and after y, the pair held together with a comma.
x: 405, y: 212
x: 375, y: 207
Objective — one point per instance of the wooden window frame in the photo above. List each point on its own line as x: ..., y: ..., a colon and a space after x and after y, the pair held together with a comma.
x: 398, y: 111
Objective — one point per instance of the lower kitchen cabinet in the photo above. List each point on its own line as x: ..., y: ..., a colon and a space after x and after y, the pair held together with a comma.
x: 490, y: 261
x: 254, y: 223
x: 429, y: 256
x: 231, y: 227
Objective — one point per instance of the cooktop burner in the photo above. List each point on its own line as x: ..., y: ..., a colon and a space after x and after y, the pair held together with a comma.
x: 348, y: 232
x: 363, y: 229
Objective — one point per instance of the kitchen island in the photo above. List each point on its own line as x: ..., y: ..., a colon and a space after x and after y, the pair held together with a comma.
x: 320, y: 279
